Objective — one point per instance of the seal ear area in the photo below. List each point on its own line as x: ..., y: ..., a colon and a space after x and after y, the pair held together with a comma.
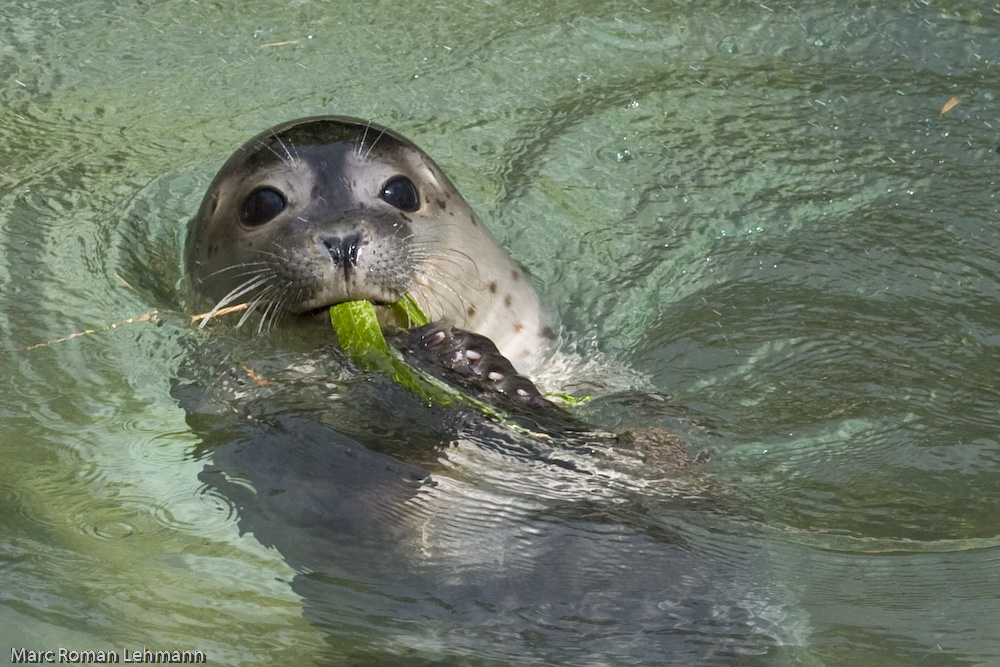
x: 262, y: 205
x: 400, y: 192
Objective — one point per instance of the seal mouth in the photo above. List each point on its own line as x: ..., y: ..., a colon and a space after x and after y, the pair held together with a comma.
x: 322, y: 310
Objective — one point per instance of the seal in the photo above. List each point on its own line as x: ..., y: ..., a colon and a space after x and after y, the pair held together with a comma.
x: 329, y: 209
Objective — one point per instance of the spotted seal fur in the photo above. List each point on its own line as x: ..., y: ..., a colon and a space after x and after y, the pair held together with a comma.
x: 323, y: 210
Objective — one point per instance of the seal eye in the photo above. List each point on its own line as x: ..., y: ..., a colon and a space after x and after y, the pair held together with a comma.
x: 400, y: 192
x: 262, y: 205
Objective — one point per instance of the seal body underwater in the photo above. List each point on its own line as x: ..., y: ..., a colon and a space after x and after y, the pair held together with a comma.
x: 328, y: 209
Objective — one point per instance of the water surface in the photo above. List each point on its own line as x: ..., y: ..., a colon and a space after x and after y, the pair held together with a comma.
x: 757, y: 210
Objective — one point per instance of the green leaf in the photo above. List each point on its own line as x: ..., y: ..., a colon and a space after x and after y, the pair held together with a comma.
x: 360, y: 335
x: 361, y: 338
x: 567, y: 399
x: 406, y: 310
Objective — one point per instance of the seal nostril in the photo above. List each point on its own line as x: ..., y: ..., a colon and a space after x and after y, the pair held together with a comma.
x: 344, y: 250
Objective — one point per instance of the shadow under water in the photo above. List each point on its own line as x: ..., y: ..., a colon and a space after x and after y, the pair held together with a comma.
x: 436, y: 534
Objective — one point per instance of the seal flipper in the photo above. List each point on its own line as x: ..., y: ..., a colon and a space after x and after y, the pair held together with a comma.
x: 472, y: 362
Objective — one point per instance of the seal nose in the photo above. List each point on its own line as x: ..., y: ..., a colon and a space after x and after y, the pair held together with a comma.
x: 344, y: 250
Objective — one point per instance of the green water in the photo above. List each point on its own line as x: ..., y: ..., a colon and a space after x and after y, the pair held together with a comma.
x: 758, y: 207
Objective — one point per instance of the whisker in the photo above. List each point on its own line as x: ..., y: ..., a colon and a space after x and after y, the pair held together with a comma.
x: 275, y: 293
x: 222, y: 311
x: 245, y: 265
x: 238, y: 291
x: 291, y: 158
x: 272, y: 308
x: 252, y: 307
x: 371, y: 147
x: 360, y: 142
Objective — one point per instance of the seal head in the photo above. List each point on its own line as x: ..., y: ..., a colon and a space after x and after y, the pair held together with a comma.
x: 324, y: 210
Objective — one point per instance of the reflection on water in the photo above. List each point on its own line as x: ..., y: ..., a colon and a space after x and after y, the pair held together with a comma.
x: 500, y: 557
x: 758, y: 210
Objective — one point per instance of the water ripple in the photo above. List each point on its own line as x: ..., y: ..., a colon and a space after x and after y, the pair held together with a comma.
x: 117, y: 518
x: 207, y: 512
